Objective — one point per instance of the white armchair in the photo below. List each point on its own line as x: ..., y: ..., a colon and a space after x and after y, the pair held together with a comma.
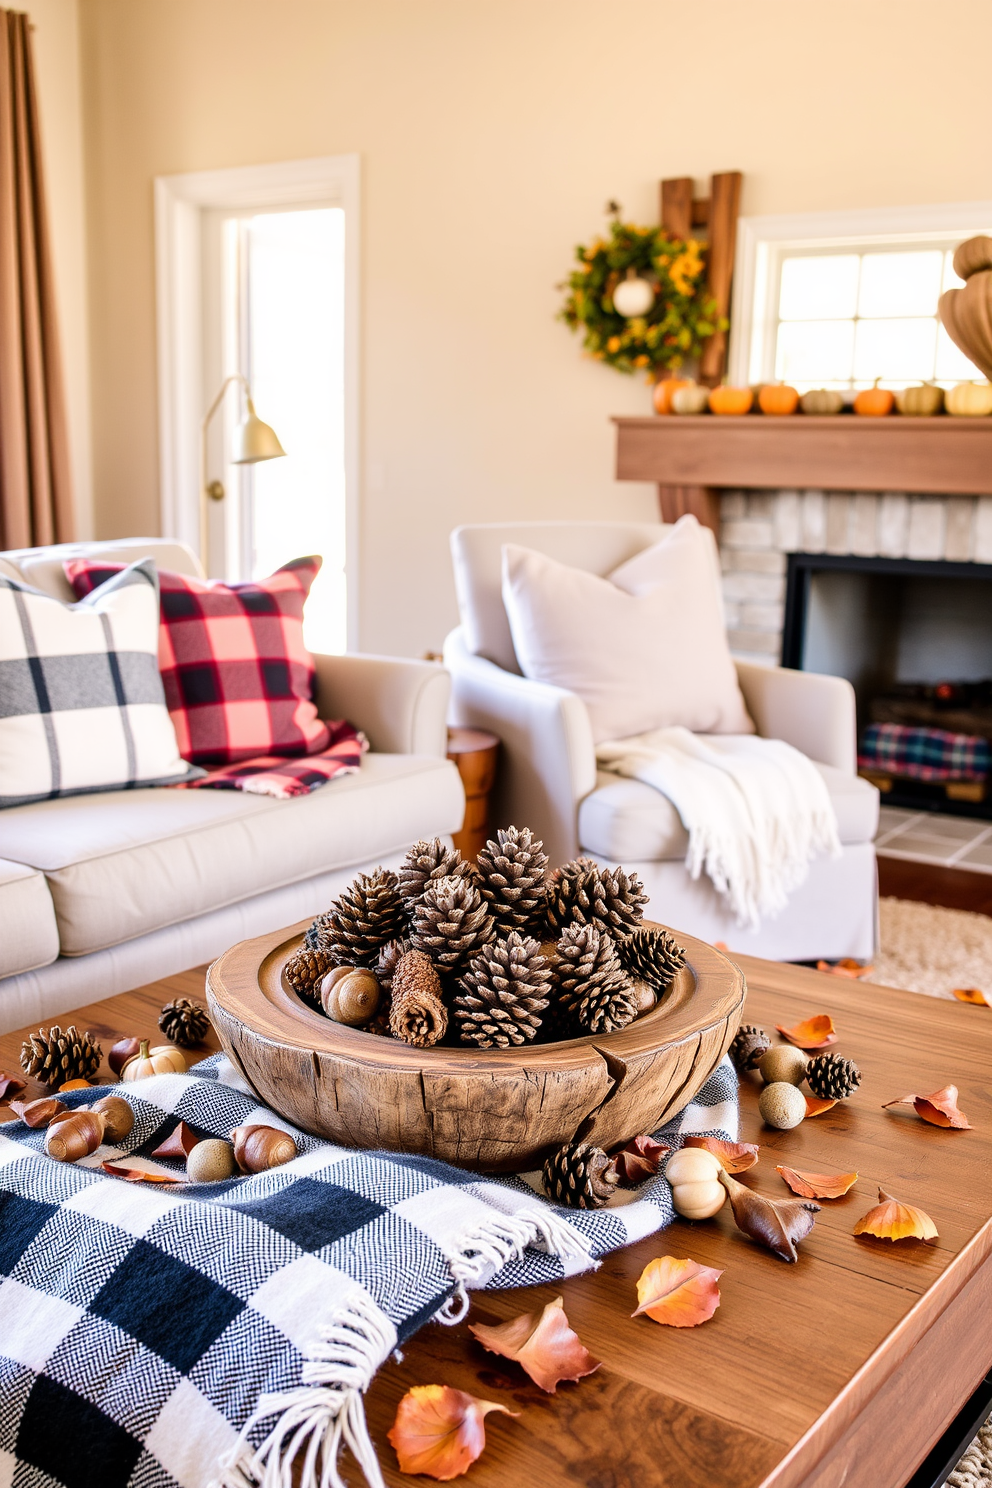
x: 549, y: 778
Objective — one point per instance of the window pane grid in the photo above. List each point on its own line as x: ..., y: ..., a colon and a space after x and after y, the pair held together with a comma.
x: 845, y: 319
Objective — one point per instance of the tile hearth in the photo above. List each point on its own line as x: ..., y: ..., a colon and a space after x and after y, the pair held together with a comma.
x: 929, y: 837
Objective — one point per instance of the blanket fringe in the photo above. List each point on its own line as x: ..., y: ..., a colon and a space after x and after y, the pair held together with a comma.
x: 324, y: 1414
x: 482, y: 1250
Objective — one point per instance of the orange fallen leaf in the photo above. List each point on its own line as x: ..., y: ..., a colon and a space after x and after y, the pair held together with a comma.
x: 439, y: 1431
x: 972, y: 994
x: 75, y: 1085
x: 817, y: 1185
x: 736, y: 1157
x: 940, y: 1109
x: 639, y: 1159
x: 682, y: 1294
x: 811, y: 1033
x: 542, y: 1343
x: 817, y: 1104
x: 720, y: 945
x: 890, y: 1220
x: 845, y: 967
x: 179, y: 1143
x: 137, y: 1175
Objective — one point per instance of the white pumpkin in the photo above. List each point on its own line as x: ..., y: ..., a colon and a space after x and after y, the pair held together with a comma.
x: 697, y: 1192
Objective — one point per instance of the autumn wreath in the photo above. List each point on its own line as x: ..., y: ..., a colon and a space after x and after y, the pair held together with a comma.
x: 681, y: 318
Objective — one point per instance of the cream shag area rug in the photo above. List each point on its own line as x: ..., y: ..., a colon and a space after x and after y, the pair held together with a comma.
x: 929, y: 949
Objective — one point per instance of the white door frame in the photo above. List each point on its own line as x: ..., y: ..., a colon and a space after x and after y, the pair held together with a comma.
x: 180, y: 204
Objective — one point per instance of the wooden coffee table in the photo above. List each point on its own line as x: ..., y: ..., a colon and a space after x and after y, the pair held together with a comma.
x: 845, y: 1369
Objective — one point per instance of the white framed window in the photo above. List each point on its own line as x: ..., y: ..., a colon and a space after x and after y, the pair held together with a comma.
x: 258, y: 275
x: 839, y: 299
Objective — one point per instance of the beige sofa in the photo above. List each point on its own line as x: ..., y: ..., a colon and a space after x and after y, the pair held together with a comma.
x: 100, y: 893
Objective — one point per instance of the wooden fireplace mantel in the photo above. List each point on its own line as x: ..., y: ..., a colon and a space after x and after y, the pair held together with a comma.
x: 692, y: 458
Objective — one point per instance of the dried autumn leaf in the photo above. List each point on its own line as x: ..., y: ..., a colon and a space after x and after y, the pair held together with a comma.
x: 890, y: 1220
x: 138, y: 1175
x: 817, y: 1185
x: 542, y: 1343
x: 40, y: 1112
x: 816, y: 1105
x: 439, y: 1431
x: 681, y: 1294
x: 76, y: 1085
x: 940, y: 1109
x: 179, y: 1143
x: 10, y: 1085
x: 811, y: 1033
x: 736, y: 1157
x: 639, y: 1159
x: 972, y: 994
x: 845, y: 967
x: 778, y: 1223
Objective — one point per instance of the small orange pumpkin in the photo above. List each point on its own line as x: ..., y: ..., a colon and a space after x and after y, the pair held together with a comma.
x: 663, y: 391
x: 875, y: 402
x: 778, y: 398
x: 731, y: 401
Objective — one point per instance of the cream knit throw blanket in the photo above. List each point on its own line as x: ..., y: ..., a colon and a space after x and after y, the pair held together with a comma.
x: 756, y: 810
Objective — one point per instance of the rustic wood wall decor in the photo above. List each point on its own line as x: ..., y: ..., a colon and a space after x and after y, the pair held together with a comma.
x: 682, y: 214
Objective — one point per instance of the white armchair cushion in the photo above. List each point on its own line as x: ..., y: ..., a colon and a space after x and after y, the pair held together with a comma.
x: 643, y: 649
x: 627, y: 821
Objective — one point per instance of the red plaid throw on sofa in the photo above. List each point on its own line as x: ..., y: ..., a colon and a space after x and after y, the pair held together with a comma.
x: 238, y: 679
x: 269, y: 775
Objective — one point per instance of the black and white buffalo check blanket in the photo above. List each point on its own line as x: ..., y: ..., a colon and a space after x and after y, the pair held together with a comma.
x: 181, y: 1336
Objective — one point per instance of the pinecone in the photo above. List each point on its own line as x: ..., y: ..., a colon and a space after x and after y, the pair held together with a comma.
x: 583, y: 893
x: 832, y: 1077
x: 503, y: 994
x: 593, y: 992
x: 318, y: 927
x: 450, y: 923
x: 581, y: 1176
x: 55, y: 1057
x: 185, y: 1022
x: 364, y: 918
x: 389, y: 958
x: 513, y: 878
x: 417, y: 1013
x: 749, y: 1043
x: 304, y: 971
x: 424, y: 864
x: 652, y: 956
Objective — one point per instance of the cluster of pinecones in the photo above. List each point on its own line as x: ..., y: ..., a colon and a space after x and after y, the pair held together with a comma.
x: 513, y: 952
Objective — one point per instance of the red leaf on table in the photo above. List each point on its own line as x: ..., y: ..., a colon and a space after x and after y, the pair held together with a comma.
x: 890, y: 1220
x: 817, y: 1185
x: 138, y: 1175
x: 439, y: 1431
x: 816, y: 1105
x: 179, y: 1143
x: 778, y: 1223
x: 10, y: 1085
x: 940, y: 1109
x: 972, y: 994
x: 639, y: 1159
x: 736, y: 1157
x: 542, y: 1343
x: 681, y: 1294
x: 811, y: 1033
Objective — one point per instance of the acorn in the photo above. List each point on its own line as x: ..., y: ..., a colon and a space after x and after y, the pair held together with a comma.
x: 118, y: 1117
x: 74, y: 1137
x: 645, y: 998
x: 782, y: 1105
x: 210, y: 1161
x: 350, y: 995
x: 257, y: 1148
x: 783, y: 1062
x: 121, y: 1052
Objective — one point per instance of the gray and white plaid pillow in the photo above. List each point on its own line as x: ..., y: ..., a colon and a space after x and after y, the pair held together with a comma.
x: 81, y: 700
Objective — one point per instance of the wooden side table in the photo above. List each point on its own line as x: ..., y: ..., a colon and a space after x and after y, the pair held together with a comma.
x: 475, y: 752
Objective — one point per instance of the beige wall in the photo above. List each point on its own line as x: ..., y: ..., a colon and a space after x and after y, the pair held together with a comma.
x: 491, y: 134
x: 57, y: 64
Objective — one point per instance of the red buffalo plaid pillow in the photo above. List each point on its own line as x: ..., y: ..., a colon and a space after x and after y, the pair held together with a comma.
x: 238, y: 679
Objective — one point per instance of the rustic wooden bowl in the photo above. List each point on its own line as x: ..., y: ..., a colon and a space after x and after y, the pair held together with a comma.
x: 492, y: 1110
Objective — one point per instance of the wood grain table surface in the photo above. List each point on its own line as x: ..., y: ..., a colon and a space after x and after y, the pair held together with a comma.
x: 843, y: 1369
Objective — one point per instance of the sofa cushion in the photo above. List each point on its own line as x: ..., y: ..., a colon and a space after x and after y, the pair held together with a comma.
x: 628, y: 821
x: 30, y: 935
x: 122, y: 865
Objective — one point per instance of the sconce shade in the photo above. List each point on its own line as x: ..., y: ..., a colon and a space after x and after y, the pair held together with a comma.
x: 254, y: 441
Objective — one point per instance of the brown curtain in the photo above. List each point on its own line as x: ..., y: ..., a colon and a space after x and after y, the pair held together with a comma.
x: 35, y: 495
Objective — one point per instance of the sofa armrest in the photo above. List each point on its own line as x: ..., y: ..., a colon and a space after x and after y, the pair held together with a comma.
x: 548, y: 760
x: 812, y: 712
x: 401, y: 705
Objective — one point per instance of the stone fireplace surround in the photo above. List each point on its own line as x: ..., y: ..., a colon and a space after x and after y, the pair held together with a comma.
x: 758, y: 529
